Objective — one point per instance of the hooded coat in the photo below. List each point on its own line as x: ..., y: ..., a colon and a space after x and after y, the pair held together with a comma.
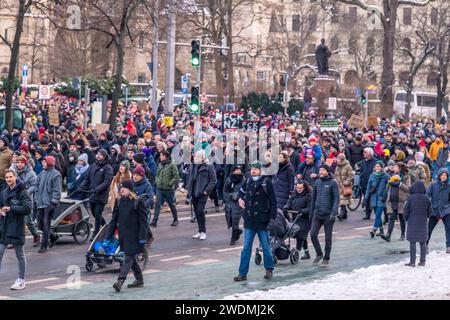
x: 417, y: 211
x: 344, y: 178
x: 402, y: 189
x: 283, y: 183
x: 439, y: 194
x: 98, y: 180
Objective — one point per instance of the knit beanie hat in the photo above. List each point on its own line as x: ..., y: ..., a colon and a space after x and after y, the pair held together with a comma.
x: 84, y: 157
x: 127, y: 184
x: 139, y: 170
x: 391, y: 163
x: 139, y: 158
x: 326, y: 167
x: 23, y: 147
x: 126, y: 164
x: 104, y: 153
x: 380, y: 163
x: 51, y: 161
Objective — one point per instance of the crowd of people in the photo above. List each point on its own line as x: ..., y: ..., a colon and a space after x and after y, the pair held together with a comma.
x: 403, y: 170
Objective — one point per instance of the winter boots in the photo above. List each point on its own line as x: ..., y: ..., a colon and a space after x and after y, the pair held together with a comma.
x: 343, y: 214
x: 136, y: 284
x: 235, y: 235
x: 269, y: 274
x: 386, y: 237
x: 240, y: 278
x: 306, y: 256
x: 118, y: 285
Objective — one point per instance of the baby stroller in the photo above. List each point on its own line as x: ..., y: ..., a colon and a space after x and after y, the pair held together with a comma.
x: 70, y: 219
x: 104, y: 253
x: 279, y: 231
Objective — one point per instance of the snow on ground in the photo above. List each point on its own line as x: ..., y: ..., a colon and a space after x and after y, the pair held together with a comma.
x: 379, y: 282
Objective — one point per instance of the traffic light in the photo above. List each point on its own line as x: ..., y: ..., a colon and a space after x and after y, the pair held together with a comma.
x: 363, y: 99
x: 195, y: 53
x: 195, y: 94
x: 280, y: 96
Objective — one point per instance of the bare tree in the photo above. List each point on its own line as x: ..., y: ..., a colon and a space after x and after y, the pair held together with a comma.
x: 388, y: 16
x: 417, y: 57
x: 14, y: 46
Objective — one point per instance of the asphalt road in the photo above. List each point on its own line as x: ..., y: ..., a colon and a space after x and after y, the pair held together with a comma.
x: 173, y: 248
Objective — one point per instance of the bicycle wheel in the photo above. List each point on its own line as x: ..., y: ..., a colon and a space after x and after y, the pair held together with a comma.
x: 356, y: 198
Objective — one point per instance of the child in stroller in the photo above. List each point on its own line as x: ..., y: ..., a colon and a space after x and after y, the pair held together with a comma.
x: 280, y: 230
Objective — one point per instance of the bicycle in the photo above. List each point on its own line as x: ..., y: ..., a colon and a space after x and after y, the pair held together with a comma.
x: 357, y: 193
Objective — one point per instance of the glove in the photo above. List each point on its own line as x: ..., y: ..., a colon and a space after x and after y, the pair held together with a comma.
x: 142, y: 242
x: 332, y: 218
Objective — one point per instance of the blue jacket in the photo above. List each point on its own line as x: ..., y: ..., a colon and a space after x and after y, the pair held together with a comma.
x: 151, y: 165
x: 144, y: 188
x: 325, y: 197
x: 417, y: 210
x: 377, y: 184
x: 439, y: 194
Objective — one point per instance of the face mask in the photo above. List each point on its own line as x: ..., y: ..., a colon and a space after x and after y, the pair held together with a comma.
x: 71, y: 159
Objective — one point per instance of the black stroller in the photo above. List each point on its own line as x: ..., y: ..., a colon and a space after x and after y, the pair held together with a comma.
x: 279, y: 230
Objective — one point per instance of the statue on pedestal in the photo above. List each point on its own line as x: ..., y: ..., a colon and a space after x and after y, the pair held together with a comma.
x: 323, y: 53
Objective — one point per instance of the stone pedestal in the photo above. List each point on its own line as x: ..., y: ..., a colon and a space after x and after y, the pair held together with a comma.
x: 323, y: 88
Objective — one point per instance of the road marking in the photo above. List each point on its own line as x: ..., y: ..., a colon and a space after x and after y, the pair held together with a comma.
x: 70, y: 285
x: 348, y: 238
x: 204, y: 261
x: 4, y: 297
x: 229, y: 249
x: 41, y: 280
x: 208, y: 215
x: 156, y: 255
x: 150, y: 271
x: 363, y: 228
x: 176, y: 258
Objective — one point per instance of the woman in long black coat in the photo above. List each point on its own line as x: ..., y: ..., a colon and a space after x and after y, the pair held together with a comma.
x: 131, y: 218
x: 300, y: 201
x: 233, y: 212
x: 283, y: 181
x: 417, y: 210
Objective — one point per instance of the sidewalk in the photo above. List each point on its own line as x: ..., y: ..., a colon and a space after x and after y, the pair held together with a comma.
x: 215, y: 280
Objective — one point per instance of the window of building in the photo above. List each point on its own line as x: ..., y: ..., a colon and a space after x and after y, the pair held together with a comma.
x: 141, y: 41
x: 296, y: 22
x: 353, y: 15
x: 407, y: 16
x: 406, y: 43
x: 261, y: 75
x: 334, y: 43
x: 432, y: 79
x: 434, y: 16
x: 141, y: 78
x: 313, y: 21
x: 403, y: 78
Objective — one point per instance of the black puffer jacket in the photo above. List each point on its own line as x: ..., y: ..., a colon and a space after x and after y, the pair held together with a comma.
x: 233, y: 212
x: 325, y: 196
x: 98, y: 180
x: 301, y: 202
x: 417, y: 210
x: 12, y: 226
x: 283, y: 183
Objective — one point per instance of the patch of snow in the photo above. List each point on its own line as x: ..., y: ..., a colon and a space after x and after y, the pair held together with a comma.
x: 379, y: 282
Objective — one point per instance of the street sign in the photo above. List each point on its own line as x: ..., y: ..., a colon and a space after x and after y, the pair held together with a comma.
x: 44, y: 92
x: 332, y: 103
x: 184, y: 86
x: 358, y: 92
x: 184, y: 90
x: 24, y: 77
x: 372, y: 89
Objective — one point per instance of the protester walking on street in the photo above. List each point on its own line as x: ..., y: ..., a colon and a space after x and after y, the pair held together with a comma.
x: 98, y: 181
x: 366, y: 170
x: 376, y: 196
x: 130, y: 217
x: 15, y: 205
x: 47, y: 196
x: 417, y: 210
x: 122, y: 175
x: 439, y: 193
x: 257, y: 198
x: 344, y: 178
x: 283, y: 181
x: 202, y: 180
x: 398, y: 191
x: 233, y: 212
x: 167, y: 178
x: 5, y: 160
x: 29, y: 179
x: 300, y: 201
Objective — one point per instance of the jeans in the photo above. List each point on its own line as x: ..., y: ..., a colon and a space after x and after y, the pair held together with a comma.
x: 378, y: 222
x: 199, y: 204
x: 317, y: 223
x: 432, y: 222
x: 246, y: 254
x: 97, y: 212
x: 44, y: 222
x: 20, y: 254
x: 130, y: 262
x: 30, y: 224
x: 169, y: 196
x: 412, y: 250
x: 392, y: 218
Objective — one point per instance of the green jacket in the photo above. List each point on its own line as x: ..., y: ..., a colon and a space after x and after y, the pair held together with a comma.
x: 167, y: 176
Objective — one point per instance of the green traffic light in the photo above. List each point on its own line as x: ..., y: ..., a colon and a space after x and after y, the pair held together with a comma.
x: 195, y: 61
x: 194, y: 107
